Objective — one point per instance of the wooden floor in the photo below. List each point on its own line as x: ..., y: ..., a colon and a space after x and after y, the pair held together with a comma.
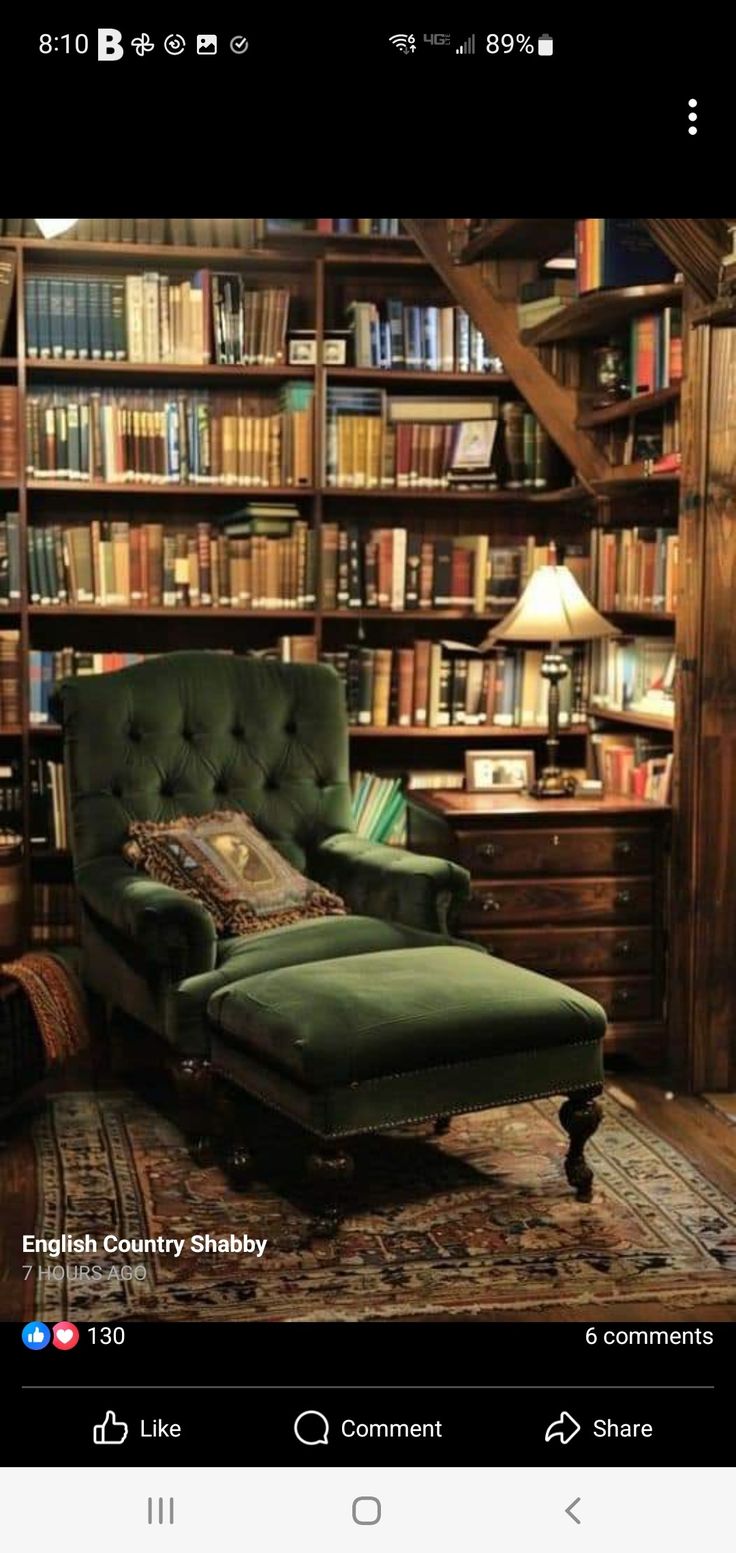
x: 703, y: 1133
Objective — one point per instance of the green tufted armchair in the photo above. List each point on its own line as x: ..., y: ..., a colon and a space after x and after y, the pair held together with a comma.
x: 191, y: 732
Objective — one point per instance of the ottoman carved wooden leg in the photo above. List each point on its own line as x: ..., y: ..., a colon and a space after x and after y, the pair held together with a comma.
x: 330, y: 1170
x: 580, y: 1116
x: 194, y: 1092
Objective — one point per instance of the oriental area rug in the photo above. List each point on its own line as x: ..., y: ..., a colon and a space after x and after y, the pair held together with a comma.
x: 478, y: 1221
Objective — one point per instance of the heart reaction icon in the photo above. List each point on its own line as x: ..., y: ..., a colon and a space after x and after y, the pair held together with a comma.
x: 66, y: 1335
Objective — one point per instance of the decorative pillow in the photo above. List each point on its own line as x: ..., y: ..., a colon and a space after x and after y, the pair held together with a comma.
x: 226, y: 864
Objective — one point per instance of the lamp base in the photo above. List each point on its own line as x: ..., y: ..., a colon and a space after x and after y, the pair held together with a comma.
x: 553, y: 783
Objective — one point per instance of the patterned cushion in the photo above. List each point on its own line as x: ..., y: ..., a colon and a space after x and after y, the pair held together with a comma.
x: 225, y: 863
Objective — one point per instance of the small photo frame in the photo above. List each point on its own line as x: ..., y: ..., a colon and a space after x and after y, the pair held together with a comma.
x: 499, y: 771
x: 303, y: 352
x: 335, y: 352
x: 473, y: 444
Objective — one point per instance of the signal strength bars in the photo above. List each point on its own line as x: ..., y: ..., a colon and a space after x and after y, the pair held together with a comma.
x: 468, y: 47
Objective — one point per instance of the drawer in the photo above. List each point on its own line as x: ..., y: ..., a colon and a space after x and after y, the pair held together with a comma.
x: 564, y: 851
x: 562, y: 951
x: 566, y: 900
x: 622, y: 997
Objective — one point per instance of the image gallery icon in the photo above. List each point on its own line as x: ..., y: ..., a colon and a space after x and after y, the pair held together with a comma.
x: 206, y: 42
x: 36, y: 1336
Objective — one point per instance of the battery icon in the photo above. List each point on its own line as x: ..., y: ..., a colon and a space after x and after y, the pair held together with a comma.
x: 545, y: 44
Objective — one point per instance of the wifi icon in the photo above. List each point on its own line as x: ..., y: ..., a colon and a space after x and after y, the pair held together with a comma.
x: 405, y: 42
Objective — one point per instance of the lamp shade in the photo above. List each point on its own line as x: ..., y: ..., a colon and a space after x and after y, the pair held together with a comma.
x: 552, y: 608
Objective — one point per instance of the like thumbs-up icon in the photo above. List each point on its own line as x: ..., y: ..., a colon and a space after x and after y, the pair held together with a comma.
x: 112, y: 1431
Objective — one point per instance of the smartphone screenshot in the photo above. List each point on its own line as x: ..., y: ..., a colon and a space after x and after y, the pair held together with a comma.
x: 367, y: 792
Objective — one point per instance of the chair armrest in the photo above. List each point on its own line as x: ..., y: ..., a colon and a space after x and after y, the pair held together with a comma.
x: 379, y: 881
x: 174, y: 933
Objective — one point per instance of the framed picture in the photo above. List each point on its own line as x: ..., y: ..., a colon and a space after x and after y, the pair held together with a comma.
x: 335, y: 351
x: 499, y: 771
x: 302, y: 351
x: 472, y: 447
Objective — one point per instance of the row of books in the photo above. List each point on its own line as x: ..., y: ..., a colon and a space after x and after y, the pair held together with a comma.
x: 379, y: 807
x: 184, y: 233
x: 11, y: 801
x: 47, y: 669
x: 427, y: 684
x: 631, y: 766
x: 397, y: 569
x: 53, y: 913
x: 541, y: 299
x: 49, y: 825
x: 153, y: 317
x: 171, y: 438
x: 154, y: 565
x: 633, y: 674
x: 654, y: 437
x: 374, y: 439
x: 393, y: 333
x: 655, y: 350
x: 444, y: 684
x: 10, y: 677
x: 8, y: 432
x: 10, y: 569
x: 635, y: 569
x: 617, y: 251
x: 340, y: 226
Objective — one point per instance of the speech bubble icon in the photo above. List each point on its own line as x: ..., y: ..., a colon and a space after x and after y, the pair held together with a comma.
x: 304, y: 1428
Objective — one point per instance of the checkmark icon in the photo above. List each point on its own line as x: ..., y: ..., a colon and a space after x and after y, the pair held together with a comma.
x: 238, y: 44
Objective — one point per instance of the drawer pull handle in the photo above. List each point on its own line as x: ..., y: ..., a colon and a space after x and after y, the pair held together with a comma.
x: 623, y: 898
x: 489, y: 849
x: 555, y: 841
x: 491, y: 904
x: 623, y: 949
x: 621, y: 995
x: 623, y: 848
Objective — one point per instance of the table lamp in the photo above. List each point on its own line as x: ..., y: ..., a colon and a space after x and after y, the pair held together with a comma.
x: 552, y: 609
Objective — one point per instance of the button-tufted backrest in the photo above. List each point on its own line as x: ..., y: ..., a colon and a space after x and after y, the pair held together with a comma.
x: 190, y: 732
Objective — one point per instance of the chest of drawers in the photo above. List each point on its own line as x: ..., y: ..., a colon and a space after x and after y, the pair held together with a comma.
x: 573, y: 888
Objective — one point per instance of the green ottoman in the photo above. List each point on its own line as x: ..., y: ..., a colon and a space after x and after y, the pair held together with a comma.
x: 371, y: 1041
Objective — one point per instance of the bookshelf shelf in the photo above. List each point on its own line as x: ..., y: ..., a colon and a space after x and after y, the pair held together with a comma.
x: 406, y: 375
x: 633, y: 719
x: 462, y: 731
x: 350, y: 242
x: 11, y: 731
x: 8, y: 364
x: 166, y: 612
x: 140, y: 488
x: 520, y: 238
x: 520, y: 497
x: 192, y: 372
x: 140, y: 255
x: 600, y: 312
x: 622, y: 475
x: 641, y: 616
x: 624, y: 409
x: 427, y: 615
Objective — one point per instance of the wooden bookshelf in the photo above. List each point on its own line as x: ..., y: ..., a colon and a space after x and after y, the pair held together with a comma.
x: 515, y: 238
x: 599, y: 313
x: 321, y: 270
x: 638, y: 473
x: 624, y: 409
x: 633, y: 719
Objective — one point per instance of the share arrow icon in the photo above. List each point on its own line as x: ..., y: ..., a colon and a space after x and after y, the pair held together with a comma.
x: 570, y: 1509
x: 563, y: 1429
